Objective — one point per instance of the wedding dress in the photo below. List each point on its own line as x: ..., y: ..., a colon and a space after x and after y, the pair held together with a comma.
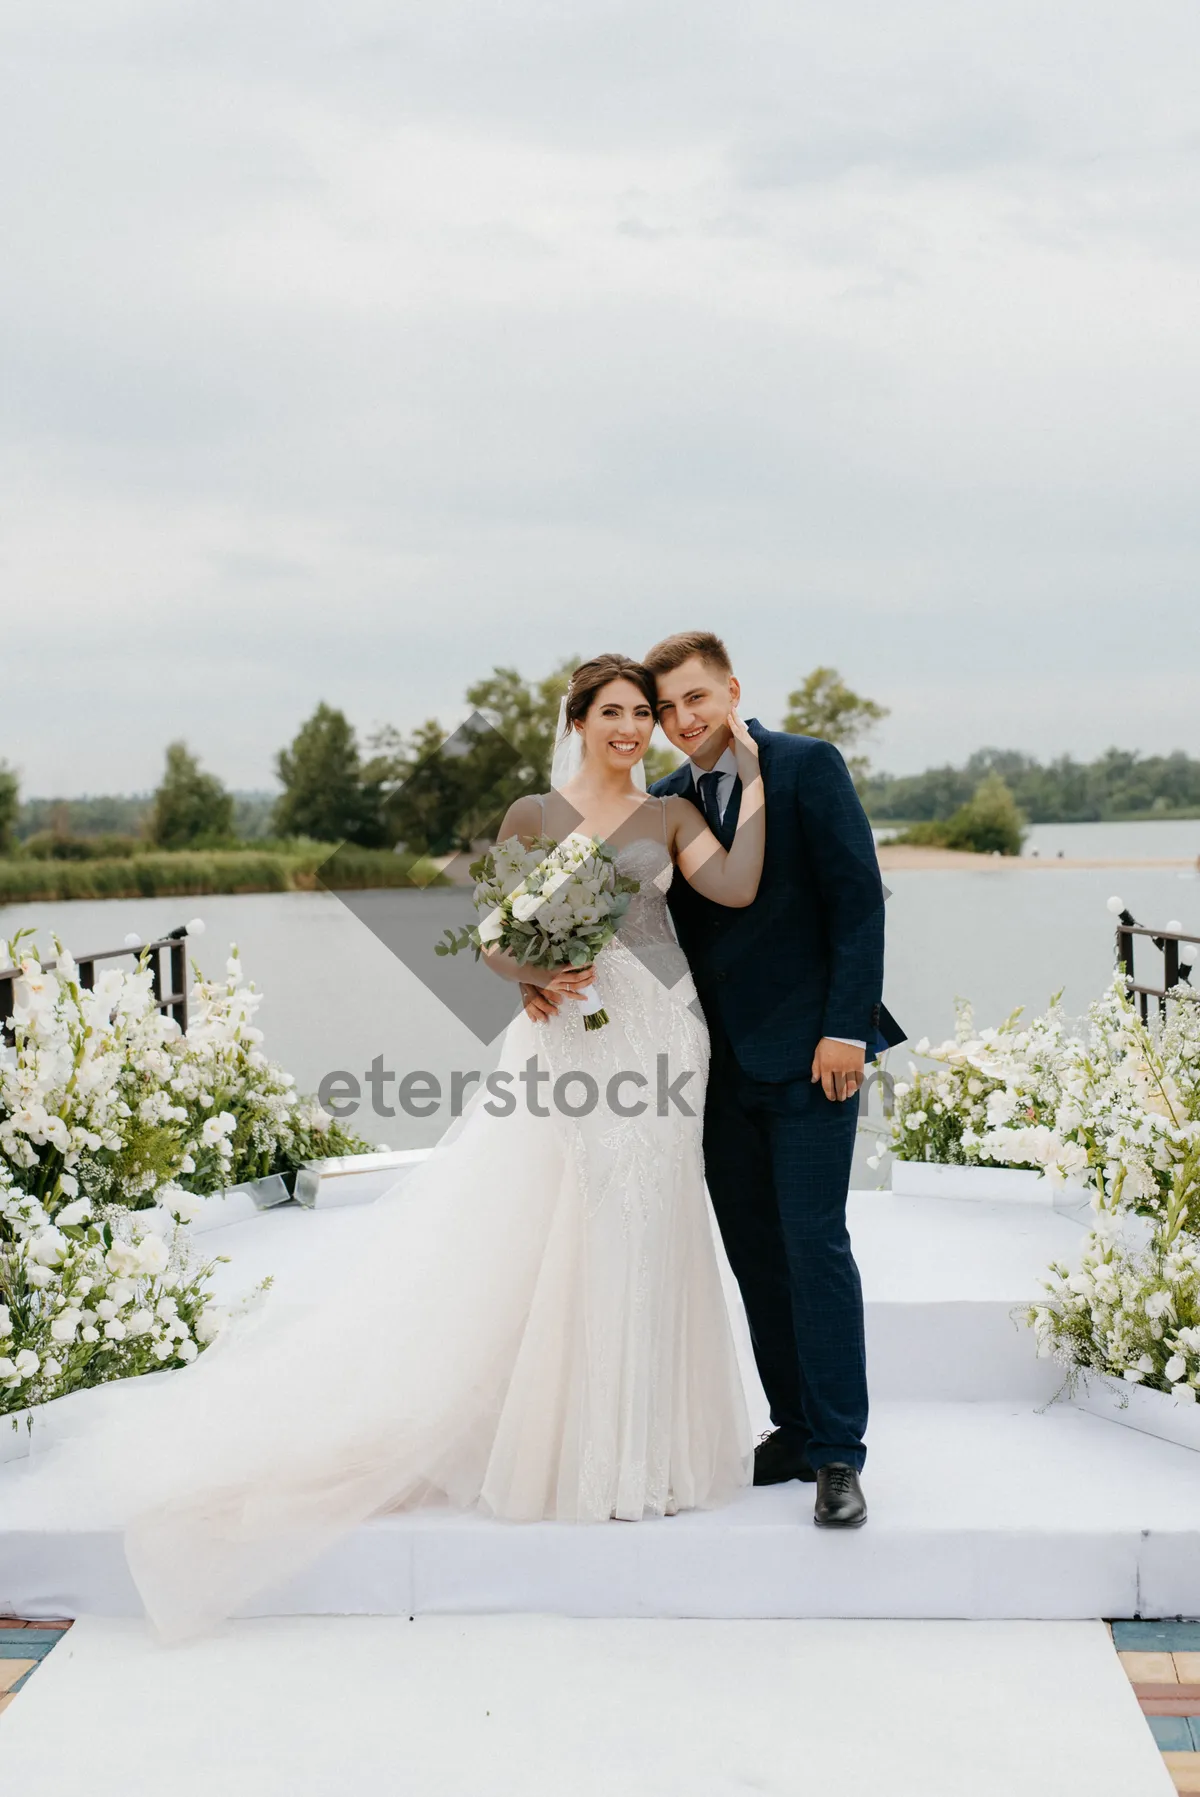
x: 534, y: 1326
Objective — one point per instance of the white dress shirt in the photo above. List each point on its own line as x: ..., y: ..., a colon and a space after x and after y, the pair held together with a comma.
x: 726, y: 766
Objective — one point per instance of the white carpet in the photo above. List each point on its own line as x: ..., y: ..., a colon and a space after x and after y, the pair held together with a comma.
x: 977, y: 1510
x: 541, y: 1707
x: 983, y: 1509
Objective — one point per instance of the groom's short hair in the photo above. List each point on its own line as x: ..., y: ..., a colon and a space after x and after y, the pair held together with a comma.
x: 673, y: 651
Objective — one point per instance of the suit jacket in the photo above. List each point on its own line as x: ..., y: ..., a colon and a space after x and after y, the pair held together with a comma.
x: 805, y: 960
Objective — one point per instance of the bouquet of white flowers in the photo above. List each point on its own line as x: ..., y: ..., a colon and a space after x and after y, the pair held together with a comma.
x: 551, y: 905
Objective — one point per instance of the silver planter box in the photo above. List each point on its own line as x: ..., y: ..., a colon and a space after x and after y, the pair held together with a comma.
x: 354, y: 1178
x: 1139, y: 1407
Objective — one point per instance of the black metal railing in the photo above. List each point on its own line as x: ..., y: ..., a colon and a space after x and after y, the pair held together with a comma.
x: 174, y: 1001
x: 1172, y: 944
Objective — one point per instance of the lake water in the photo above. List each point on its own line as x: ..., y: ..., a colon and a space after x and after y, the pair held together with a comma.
x: 336, y: 996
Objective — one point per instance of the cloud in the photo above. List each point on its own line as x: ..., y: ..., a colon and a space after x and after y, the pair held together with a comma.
x: 344, y: 361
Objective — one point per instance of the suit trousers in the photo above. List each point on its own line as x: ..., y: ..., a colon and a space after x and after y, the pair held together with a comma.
x: 777, y: 1160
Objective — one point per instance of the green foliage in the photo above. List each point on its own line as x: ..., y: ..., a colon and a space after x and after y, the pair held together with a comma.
x: 125, y: 816
x: 439, y: 795
x: 166, y: 873
x: 660, y: 762
x: 525, y: 713
x: 1119, y: 784
x: 824, y: 706
x: 10, y: 804
x: 48, y: 845
x: 989, y: 823
x: 324, y: 795
x: 190, y: 804
x: 254, y: 815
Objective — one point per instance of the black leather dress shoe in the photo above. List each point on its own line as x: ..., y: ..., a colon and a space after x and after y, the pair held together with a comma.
x: 840, y: 1502
x: 779, y: 1457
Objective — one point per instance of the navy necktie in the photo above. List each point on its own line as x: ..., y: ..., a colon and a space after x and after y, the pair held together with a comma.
x: 709, y: 787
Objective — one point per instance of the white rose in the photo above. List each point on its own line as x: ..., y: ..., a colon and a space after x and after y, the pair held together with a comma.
x: 184, y: 1206
x: 106, y: 1310
x: 141, y: 1322
x: 527, y: 906
x: 123, y: 1258
x: 163, y: 1350
x: 115, y: 1330
x: 48, y: 1247
x: 152, y: 1251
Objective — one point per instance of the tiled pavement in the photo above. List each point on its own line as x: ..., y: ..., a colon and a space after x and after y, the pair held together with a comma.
x: 22, y: 1646
x: 1162, y: 1660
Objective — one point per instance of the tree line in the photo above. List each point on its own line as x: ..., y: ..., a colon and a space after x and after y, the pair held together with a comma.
x: 1118, y: 784
x: 426, y: 791
x: 434, y: 794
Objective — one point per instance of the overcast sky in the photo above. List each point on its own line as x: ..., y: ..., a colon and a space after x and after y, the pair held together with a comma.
x: 351, y: 348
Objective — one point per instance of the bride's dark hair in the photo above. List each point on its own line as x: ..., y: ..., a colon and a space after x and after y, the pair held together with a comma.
x: 590, y: 676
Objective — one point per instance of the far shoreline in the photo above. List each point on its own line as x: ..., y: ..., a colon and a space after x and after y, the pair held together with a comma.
x: 911, y: 857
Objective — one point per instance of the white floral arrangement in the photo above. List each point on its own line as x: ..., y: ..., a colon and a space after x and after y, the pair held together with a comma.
x: 243, y: 1116
x: 1133, y: 1317
x: 551, y: 905
x: 84, y: 1300
x: 1006, y: 1078
x: 108, y: 1110
x: 102, y: 1096
x: 1113, y: 1111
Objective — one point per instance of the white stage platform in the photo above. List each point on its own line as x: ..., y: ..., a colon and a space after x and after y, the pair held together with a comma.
x: 541, y: 1707
x: 984, y: 1503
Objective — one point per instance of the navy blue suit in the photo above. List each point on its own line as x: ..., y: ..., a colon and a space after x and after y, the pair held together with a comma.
x: 805, y: 960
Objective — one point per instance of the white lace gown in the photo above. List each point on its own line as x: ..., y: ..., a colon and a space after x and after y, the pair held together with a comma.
x: 535, y: 1328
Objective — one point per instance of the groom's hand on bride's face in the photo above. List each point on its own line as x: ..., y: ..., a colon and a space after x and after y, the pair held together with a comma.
x: 839, y: 1067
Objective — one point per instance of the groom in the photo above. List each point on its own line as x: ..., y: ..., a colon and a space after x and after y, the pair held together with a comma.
x: 791, y: 989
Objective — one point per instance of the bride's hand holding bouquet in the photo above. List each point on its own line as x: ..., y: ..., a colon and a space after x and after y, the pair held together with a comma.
x: 548, y: 910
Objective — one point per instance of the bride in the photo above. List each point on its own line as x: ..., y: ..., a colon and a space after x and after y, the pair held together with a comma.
x: 535, y: 1326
